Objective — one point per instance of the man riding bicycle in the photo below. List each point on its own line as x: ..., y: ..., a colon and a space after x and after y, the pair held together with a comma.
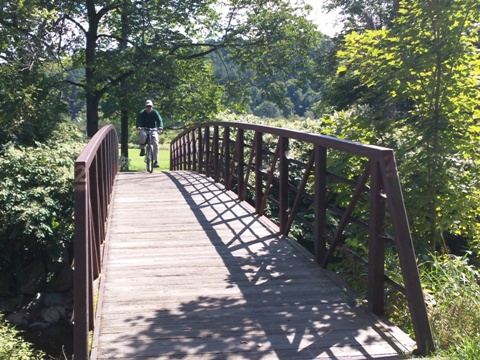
x: 149, y: 118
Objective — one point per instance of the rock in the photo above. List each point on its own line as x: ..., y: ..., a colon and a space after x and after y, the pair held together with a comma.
x: 39, y: 325
x: 35, y: 303
x: 4, y: 284
x: 63, y: 279
x: 7, y: 305
x: 34, y: 278
x: 54, y: 299
x: 18, y: 319
x: 53, y: 314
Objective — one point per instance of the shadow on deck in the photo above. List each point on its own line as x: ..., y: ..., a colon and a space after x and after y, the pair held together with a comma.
x: 200, y: 276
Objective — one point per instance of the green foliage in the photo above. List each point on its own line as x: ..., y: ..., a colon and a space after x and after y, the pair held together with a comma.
x: 30, y: 89
x: 13, y: 347
x: 420, y: 79
x: 365, y: 14
x: 30, y: 105
x: 267, y: 109
x: 454, y: 301
x: 452, y: 295
x: 294, y: 89
x: 36, y: 205
x: 450, y: 283
x: 467, y: 348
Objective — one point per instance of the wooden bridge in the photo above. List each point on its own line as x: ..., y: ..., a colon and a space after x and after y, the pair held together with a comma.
x: 185, y: 264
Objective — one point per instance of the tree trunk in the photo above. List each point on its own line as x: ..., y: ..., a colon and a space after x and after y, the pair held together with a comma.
x: 92, y: 113
x: 436, y: 153
x: 124, y: 111
x: 124, y: 134
x: 91, y: 43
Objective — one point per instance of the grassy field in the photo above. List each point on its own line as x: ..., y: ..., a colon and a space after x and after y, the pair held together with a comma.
x: 137, y: 163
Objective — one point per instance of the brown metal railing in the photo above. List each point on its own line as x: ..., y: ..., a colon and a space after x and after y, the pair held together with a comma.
x: 288, y: 176
x: 95, y: 171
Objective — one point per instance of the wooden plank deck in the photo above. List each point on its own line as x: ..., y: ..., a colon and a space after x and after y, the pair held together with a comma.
x: 192, y: 273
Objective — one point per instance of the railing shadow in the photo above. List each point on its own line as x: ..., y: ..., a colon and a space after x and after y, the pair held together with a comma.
x: 267, y: 308
x: 323, y: 191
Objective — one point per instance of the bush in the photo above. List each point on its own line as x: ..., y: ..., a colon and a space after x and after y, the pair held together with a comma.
x: 454, y: 310
x: 14, y: 347
x: 36, y: 211
x: 267, y: 109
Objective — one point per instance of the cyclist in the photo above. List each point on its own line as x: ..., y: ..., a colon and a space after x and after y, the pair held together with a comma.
x: 149, y: 118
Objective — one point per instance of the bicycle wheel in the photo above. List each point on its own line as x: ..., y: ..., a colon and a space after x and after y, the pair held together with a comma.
x: 149, y: 157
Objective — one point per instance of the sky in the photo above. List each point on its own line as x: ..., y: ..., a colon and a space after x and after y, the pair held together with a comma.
x: 326, y: 22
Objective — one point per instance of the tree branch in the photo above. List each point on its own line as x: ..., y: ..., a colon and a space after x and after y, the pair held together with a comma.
x: 82, y: 29
x: 83, y: 86
x: 114, y: 82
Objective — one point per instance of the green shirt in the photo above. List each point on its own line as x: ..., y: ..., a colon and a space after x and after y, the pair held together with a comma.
x: 151, y: 120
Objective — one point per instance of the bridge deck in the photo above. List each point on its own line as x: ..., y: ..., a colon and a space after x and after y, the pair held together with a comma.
x: 192, y: 273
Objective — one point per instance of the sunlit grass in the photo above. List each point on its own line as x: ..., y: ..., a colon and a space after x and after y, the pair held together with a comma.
x: 137, y: 162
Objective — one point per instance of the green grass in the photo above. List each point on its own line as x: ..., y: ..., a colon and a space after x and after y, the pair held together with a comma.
x: 137, y: 163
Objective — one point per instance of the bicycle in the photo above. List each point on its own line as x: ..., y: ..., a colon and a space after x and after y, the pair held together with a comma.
x: 149, y: 148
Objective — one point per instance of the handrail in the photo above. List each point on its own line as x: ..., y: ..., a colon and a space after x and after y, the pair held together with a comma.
x: 95, y: 171
x: 249, y: 165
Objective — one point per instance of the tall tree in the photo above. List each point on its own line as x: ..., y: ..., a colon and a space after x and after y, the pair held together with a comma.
x: 30, y: 86
x: 359, y: 15
x: 162, y: 30
x: 426, y: 69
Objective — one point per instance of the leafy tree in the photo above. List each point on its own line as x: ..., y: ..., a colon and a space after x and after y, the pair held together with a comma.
x: 425, y: 70
x: 286, y: 87
x: 362, y: 15
x: 267, y: 109
x: 36, y: 208
x: 13, y: 347
x: 30, y: 89
x: 191, y: 93
x: 160, y: 32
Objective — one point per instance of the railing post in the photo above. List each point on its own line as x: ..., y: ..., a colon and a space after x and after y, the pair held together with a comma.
x: 258, y: 143
x: 208, y: 160
x: 226, y: 155
x: 283, y: 193
x: 81, y: 255
x: 193, y: 145
x: 184, y: 153
x: 216, y: 155
x: 172, y: 155
x: 376, y: 243
x: 406, y: 255
x: 96, y: 214
x: 201, y: 152
x: 320, y: 203
x: 240, y: 150
x: 95, y: 171
x: 177, y: 154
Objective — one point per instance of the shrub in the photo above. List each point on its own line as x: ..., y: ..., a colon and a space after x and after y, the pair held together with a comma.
x: 455, y: 309
x: 36, y: 211
x: 13, y: 347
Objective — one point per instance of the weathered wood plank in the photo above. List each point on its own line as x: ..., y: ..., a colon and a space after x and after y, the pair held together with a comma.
x: 192, y: 273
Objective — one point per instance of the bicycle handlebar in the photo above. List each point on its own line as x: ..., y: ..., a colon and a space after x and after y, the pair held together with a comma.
x: 149, y: 129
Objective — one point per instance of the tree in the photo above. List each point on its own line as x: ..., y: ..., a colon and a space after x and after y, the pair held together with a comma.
x: 267, y: 109
x: 427, y: 70
x: 163, y: 31
x: 30, y: 79
x: 362, y: 15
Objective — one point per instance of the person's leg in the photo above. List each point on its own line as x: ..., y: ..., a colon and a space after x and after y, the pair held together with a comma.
x: 142, y: 137
x: 155, y: 146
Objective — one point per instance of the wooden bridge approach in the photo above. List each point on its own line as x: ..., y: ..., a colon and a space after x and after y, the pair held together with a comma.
x: 191, y: 272
x: 177, y: 265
